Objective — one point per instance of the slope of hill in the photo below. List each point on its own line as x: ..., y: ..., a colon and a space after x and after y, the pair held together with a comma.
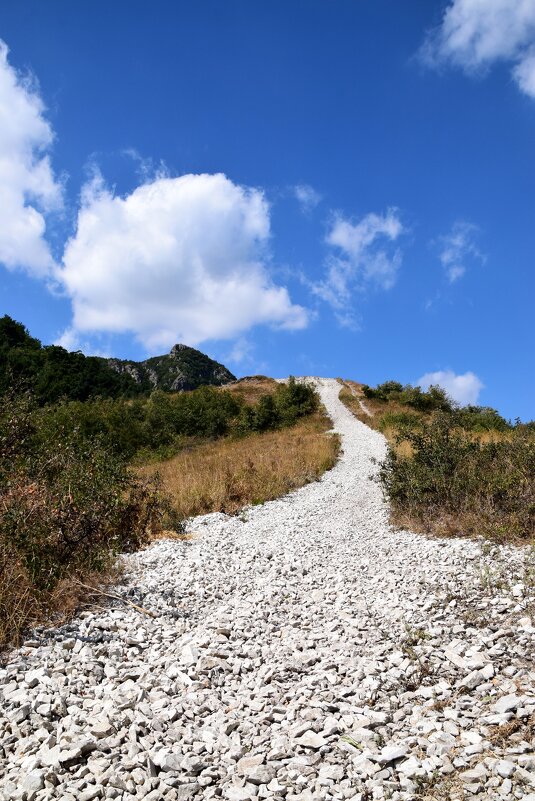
x: 52, y: 373
x: 301, y: 650
x: 182, y: 369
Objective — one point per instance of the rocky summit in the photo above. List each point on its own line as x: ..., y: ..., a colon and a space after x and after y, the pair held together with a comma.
x: 302, y: 651
x: 183, y: 368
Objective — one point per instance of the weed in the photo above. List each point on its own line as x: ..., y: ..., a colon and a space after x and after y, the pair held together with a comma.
x: 514, y: 728
x: 347, y: 738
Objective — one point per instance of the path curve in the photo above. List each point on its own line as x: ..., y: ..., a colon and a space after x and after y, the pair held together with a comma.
x: 301, y: 651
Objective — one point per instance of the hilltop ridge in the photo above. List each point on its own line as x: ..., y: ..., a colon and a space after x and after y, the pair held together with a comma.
x: 53, y: 373
x: 183, y: 368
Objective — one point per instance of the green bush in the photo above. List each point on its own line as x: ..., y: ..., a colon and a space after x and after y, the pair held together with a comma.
x: 282, y: 408
x: 384, y: 391
x: 67, y: 502
x: 161, y: 424
x: 294, y: 400
x: 455, y: 483
x: 481, y: 418
x: 398, y: 420
x: 434, y: 399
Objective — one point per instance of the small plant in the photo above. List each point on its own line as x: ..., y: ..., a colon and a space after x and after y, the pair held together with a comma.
x: 414, y: 636
x: 347, y: 738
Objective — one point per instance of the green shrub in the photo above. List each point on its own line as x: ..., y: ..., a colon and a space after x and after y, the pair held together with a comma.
x: 294, y: 400
x: 434, y: 399
x: 155, y: 424
x: 398, y: 420
x: 159, y: 425
x: 481, y: 418
x: 68, y: 504
x: 454, y: 483
x: 386, y: 391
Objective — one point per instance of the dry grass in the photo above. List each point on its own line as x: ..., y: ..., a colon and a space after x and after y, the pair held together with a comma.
x: 22, y: 606
x: 515, y: 730
x: 225, y: 476
x: 168, y: 534
x: 251, y: 388
x: 18, y: 604
x: 352, y: 396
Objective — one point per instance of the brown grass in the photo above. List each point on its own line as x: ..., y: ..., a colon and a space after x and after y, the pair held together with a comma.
x: 168, y: 534
x: 23, y: 606
x: 232, y: 473
x: 18, y: 604
x: 251, y: 388
x: 515, y: 729
x: 351, y: 395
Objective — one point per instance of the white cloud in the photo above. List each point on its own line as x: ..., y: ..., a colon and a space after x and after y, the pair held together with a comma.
x: 307, y: 197
x: 242, y: 357
x: 70, y: 340
x: 476, y: 33
x: 364, y: 257
x: 458, y: 249
x: 28, y: 188
x: 463, y: 388
x: 180, y: 259
x: 242, y: 351
x: 524, y: 73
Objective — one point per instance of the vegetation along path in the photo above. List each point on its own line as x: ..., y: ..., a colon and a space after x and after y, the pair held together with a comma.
x: 303, y: 650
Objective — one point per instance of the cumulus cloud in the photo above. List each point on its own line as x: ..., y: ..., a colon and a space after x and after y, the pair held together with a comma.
x: 463, y: 388
x: 241, y: 352
x: 307, y: 197
x: 458, y: 248
x: 28, y: 188
x: 364, y: 257
x: 242, y: 356
x: 476, y: 33
x: 179, y: 259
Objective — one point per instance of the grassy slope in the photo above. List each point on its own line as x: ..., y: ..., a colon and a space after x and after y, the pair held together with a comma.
x: 86, y: 501
x: 452, y: 481
x: 226, y: 475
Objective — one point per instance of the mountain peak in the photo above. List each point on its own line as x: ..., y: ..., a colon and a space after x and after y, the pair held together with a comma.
x: 178, y: 348
x: 183, y: 368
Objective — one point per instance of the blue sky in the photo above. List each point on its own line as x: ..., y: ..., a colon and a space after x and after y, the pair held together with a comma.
x: 309, y: 187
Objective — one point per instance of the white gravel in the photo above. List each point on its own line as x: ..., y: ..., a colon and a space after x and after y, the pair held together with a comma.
x: 302, y: 650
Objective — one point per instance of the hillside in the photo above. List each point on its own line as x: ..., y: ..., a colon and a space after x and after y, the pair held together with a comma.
x: 52, y: 373
x: 302, y: 650
x: 184, y: 368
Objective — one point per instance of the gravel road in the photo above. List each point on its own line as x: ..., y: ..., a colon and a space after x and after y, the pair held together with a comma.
x: 303, y: 650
